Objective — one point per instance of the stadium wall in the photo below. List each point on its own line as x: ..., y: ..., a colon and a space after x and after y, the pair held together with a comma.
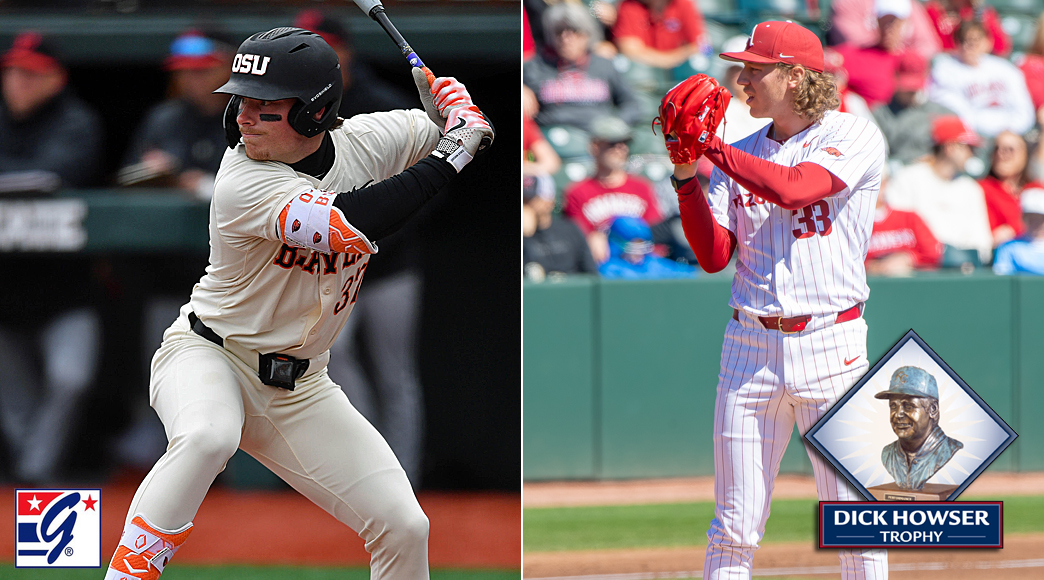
x: 619, y: 376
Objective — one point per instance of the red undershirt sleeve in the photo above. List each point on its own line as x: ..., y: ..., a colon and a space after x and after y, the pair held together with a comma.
x: 712, y: 243
x: 788, y: 187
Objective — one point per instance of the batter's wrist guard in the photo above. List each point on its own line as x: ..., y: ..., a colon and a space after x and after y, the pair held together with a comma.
x: 452, y: 152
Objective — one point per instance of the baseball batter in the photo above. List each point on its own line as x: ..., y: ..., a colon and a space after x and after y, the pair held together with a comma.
x: 796, y: 201
x: 299, y: 202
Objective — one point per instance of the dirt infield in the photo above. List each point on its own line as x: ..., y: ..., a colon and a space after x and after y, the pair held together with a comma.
x: 1021, y: 559
x: 691, y: 489
x: 468, y: 530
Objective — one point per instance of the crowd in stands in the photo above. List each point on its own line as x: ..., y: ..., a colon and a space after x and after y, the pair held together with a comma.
x: 959, y: 99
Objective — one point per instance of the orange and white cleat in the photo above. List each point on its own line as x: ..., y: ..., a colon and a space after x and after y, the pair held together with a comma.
x: 145, y: 550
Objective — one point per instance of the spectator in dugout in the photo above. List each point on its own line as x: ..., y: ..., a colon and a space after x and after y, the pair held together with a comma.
x: 551, y: 245
x: 181, y: 141
x: 1008, y: 179
x: 1025, y: 254
x: 50, y: 333
x: 659, y: 33
x: 611, y: 192
x: 951, y: 203
x: 1032, y: 66
x: 854, y: 22
x: 948, y: 15
x: 48, y: 136
x: 906, y: 120
x: 987, y: 92
x: 901, y: 242
x: 871, y: 69
x: 569, y: 85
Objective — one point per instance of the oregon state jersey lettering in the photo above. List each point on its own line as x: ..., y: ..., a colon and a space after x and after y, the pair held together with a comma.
x: 272, y: 291
x: 810, y: 260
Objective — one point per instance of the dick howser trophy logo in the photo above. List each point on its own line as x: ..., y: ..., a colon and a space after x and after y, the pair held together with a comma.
x: 57, y: 528
x: 911, y: 435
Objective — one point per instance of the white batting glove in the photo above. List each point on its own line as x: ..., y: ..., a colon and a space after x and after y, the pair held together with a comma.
x: 466, y: 130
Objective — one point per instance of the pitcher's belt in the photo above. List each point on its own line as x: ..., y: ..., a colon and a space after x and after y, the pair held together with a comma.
x: 798, y: 323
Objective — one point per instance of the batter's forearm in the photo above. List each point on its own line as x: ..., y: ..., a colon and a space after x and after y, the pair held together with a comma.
x: 712, y: 243
x: 379, y: 209
x: 788, y: 187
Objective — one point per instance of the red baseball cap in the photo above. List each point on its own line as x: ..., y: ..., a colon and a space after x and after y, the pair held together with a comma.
x: 773, y: 41
x: 31, y: 51
x: 950, y: 129
x: 912, y: 73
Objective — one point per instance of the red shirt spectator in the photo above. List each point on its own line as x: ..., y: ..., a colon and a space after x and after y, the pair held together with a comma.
x: 903, y: 231
x: 1032, y: 67
x: 1002, y: 204
x: 592, y: 205
x: 679, y: 24
x: 528, y: 44
x: 947, y: 15
x: 531, y: 133
x: 871, y: 72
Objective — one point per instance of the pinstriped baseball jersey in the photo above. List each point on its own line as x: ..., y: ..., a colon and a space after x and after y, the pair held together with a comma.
x: 267, y: 295
x: 810, y: 260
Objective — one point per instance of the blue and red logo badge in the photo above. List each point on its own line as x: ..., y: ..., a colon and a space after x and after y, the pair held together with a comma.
x: 57, y: 528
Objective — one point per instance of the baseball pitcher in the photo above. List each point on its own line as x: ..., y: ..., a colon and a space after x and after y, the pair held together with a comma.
x: 795, y: 202
x: 299, y: 203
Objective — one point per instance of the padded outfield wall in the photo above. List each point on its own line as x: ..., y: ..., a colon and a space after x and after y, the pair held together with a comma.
x: 619, y: 376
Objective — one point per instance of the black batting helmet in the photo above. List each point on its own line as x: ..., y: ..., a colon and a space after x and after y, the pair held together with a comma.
x: 286, y: 63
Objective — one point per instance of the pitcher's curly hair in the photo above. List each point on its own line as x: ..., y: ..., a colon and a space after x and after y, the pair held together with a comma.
x: 816, y: 95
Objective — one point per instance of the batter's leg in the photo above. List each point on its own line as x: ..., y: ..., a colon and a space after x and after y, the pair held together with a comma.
x: 195, y: 389
x: 825, y: 378
x: 318, y: 443
x: 752, y: 426
x: 196, y: 393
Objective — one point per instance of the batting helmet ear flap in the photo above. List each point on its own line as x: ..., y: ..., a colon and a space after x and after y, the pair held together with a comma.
x: 232, y: 134
x: 302, y: 117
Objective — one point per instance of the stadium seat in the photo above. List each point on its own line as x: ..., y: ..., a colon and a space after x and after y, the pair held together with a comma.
x: 566, y: 140
x: 1018, y: 6
x: 644, y: 141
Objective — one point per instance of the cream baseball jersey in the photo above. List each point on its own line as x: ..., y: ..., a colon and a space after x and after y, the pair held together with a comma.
x: 810, y: 260
x: 263, y: 289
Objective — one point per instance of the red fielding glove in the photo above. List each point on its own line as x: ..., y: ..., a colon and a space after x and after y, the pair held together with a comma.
x: 689, y: 114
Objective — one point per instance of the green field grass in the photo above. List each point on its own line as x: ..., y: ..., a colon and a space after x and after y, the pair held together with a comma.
x: 671, y: 525
x: 175, y: 572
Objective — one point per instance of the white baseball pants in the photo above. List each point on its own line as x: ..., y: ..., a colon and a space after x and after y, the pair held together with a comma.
x: 212, y: 403
x: 769, y: 380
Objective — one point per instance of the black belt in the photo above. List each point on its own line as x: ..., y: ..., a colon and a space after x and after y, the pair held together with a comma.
x: 274, y: 370
x: 203, y: 330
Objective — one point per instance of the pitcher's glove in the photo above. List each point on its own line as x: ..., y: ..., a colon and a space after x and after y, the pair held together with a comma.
x: 689, y: 114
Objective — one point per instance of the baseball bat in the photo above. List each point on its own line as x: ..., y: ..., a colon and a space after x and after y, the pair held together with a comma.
x: 375, y: 10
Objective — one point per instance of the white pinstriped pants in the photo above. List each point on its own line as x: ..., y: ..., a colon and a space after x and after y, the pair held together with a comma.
x: 767, y: 381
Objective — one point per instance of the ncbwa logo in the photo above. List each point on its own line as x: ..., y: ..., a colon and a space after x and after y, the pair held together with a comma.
x: 58, y: 528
